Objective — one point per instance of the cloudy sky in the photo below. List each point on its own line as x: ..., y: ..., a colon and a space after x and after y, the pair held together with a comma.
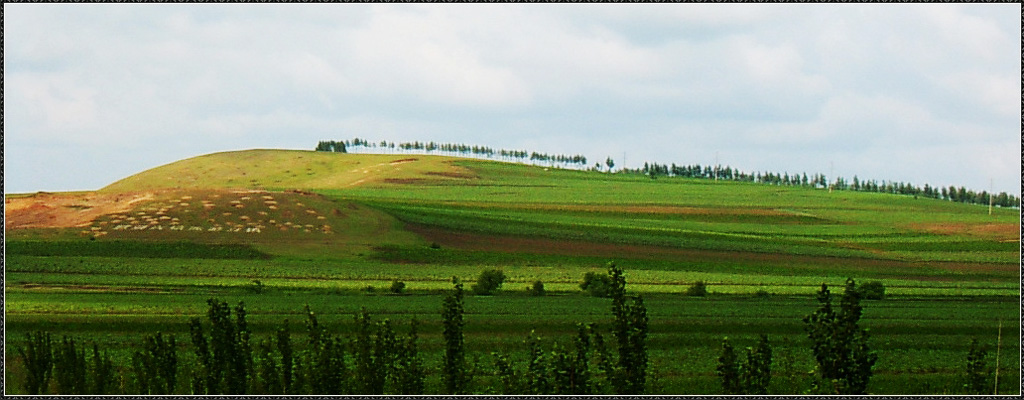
x: 923, y: 93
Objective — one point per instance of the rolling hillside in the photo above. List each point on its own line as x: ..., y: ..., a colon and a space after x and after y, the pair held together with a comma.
x: 280, y: 230
x: 388, y: 207
x: 287, y: 169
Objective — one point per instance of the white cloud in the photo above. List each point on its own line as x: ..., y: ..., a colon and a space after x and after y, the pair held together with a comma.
x: 53, y: 106
x: 771, y: 86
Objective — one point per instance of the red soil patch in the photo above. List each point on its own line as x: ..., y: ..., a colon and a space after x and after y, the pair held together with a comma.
x: 403, y: 161
x: 513, y: 244
x: 650, y: 209
x: 999, y: 231
x: 49, y: 210
x: 405, y: 181
x: 447, y: 174
x: 127, y: 289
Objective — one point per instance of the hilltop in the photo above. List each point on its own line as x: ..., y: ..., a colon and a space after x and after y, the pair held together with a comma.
x: 287, y: 169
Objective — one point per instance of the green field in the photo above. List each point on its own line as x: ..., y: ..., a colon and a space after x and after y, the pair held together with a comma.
x: 951, y: 271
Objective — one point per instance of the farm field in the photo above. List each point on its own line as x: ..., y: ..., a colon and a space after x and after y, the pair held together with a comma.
x: 920, y: 339
x: 322, y: 229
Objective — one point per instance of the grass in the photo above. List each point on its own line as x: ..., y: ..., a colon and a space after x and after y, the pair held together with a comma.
x: 951, y: 270
x: 917, y: 339
x: 131, y: 248
x: 292, y: 169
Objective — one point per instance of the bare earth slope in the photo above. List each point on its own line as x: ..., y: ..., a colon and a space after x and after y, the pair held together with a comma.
x: 58, y: 210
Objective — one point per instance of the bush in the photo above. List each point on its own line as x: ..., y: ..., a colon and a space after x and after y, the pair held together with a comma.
x: 873, y: 290
x: 840, y: 345
x: 598, y: 285
x: 978, y: 376
x: 699, y: 288
x: 454, y: 370
x: 37, y: 355
x: 256, y: 286
x: 488, y: 282
x: 537, y: 289
x: 397, y: 287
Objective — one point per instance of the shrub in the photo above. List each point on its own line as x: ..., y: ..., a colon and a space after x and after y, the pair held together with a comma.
x: 873, y: 290
x: 102, y: 372
x: 598, y: 285
x: 749, y: 376
x: 37, y: 355
x: 454, y: 371
x: 630, y: 332
x: 397, y: 287
x: 978, y: 377
x: 69, y: 367
x: 488, y: 282
x: 225, y: 356
x: 323, y: 367
x: 284, y: 347
x: 507, y: 374
x: 729, y: 369
x: 839, y: 344
x: 699, y: 288
x: 156, y: 365
x: 537, y: 289
x: 408, y: 370
x: 756, y: 373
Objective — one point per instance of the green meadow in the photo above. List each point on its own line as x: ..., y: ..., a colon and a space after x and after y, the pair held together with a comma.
x: 333, y: 231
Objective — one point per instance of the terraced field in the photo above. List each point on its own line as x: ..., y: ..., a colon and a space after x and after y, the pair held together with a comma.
x: 281, y: 229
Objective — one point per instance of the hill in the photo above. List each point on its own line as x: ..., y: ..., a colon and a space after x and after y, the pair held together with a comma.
x: 286, y: 169
x: 481, y: 207
x: 456, y: 202
x: 281, y: 230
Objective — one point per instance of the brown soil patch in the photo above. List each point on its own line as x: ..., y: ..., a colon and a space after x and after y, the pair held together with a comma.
x: 403, y: 181
x: 514, y: 244
x: 125, y: 289
x: 1005, y: 232
x: 54, y: 210
x: 645, y: 209
x: 403, y: 161
x: 446, y: 174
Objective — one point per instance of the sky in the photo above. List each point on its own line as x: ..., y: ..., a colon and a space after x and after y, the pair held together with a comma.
x: 921, y: 93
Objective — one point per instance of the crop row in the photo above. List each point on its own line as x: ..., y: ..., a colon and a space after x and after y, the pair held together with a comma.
x: 133, y: 248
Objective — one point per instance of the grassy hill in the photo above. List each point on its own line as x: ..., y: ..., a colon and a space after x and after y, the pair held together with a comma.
x: 394, y: 204
x: 283, y: 229
x: 286, y: 169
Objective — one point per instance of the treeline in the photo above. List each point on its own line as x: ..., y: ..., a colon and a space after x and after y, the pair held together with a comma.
x: 955, y: 194
x: 655, y: 170
x: 332, y: 145
x: 552, y: 160
x: 226, y: 359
